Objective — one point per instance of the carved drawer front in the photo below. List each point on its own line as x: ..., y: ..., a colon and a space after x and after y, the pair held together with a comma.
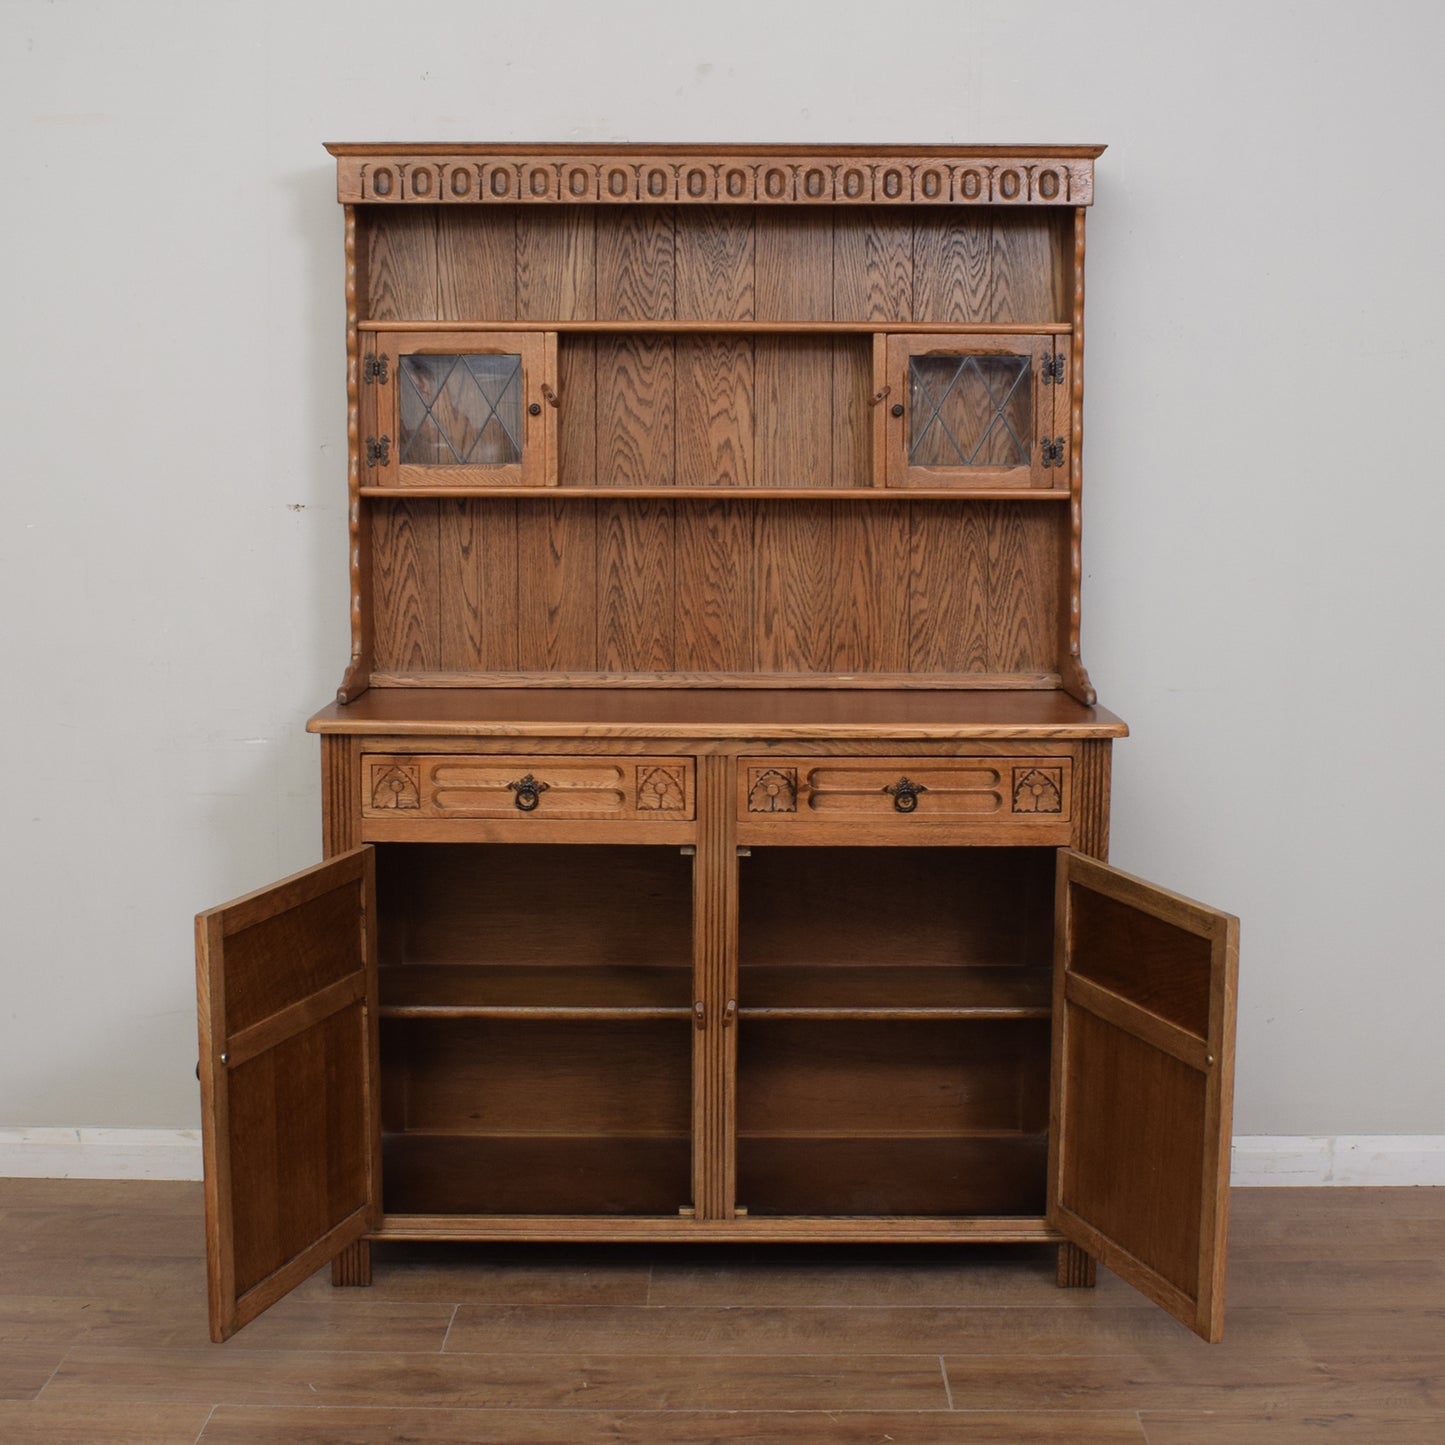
x: 469, y: 786
x: 904, y: 791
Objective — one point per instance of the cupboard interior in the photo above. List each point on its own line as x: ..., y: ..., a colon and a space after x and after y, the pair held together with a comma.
x: 893, y: 1045
x: 536, y: 1036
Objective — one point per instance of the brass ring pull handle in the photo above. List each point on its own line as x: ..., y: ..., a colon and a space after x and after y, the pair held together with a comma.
x: 529, y: 793
x: 905, y: 795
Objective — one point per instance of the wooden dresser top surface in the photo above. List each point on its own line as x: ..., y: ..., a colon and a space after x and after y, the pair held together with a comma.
x: 718, y: 713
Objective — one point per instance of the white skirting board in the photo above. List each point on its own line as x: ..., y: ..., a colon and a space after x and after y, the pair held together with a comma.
x: 1271, y: 1160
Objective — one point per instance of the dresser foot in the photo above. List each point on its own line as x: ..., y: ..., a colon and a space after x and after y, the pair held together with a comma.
x: 353, y: 1265
x: 1076, y: 1268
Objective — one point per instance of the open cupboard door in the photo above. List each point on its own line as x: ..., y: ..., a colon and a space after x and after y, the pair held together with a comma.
x: 1143, y: 1069
x: 287, y: 986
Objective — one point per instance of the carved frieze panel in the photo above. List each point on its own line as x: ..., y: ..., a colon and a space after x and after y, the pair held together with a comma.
x: 626, y: 178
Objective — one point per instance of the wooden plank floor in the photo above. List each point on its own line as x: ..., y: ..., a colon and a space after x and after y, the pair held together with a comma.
x: 1336, y: 1332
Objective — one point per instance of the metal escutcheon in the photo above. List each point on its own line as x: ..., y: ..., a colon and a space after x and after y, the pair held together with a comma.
x: 905, y: 795
x: 529, y: 793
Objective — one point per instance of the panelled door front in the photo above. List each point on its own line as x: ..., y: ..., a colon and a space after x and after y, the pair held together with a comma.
x: 1144, y: 1001
x: 287, y: 986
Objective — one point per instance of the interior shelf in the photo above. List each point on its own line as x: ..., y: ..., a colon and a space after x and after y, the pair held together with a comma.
x: 893, y: 991
x: 606, y: 1174
x: 885, y: 1174
x: 602, y: 991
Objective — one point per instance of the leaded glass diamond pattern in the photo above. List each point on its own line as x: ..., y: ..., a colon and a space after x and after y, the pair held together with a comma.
x: 461, y: 410
x: 970, y: 411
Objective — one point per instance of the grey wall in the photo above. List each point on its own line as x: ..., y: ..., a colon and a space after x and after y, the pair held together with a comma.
x: 1263, y: 517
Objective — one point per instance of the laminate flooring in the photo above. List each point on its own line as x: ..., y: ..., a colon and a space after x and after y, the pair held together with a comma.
x: 1335, y: 1332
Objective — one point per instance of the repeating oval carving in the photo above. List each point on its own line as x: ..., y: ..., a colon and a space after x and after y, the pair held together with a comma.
x: 665, y: 176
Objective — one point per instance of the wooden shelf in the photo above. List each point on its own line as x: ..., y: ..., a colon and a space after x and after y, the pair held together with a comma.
x: 736, y: 327
x: 884, y: 1174
x: 541, y: 1174
x: 730, y: 493
x: 893, y: 992
x: 535, y: 991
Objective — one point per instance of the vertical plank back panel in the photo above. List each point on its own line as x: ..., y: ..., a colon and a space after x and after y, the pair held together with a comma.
x: 870, y: 602
x: 401, y: 280
x: 715, y: 380
x: 404, y: 579
x: 793, y: 562
x: 477, y: 263
x: 557, y: 586
x: 794, y: 417
x: 556, y: 263
x: 714, y: 543
x: 1027, y: 279
x: 852, y: 425
x: 636, y: 400
x: 715, y: 269
x: 478, y: 585
x: 636, y: 263
x: 873, y: 264
x: 714, y: 263
x: 794, y: 264
x: 952, y: 266
x: 635, y: 586
x: 1023, y: 587
x: 947, y: 589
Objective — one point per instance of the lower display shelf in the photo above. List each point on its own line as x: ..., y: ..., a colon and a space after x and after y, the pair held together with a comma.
x: 900, y: 991
x: 458, y: 990
x: 539, y: 1174
x: 990, y: 1174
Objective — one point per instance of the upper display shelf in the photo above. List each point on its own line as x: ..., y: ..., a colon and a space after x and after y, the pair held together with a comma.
x: 459, y: 174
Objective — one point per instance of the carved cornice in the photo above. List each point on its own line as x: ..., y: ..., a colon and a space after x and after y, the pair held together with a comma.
x: 471, y: 175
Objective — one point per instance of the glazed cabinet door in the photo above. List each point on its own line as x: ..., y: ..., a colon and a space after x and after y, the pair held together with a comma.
x: 978, y: 411
x: 464, y: 408
x: 286, y: 981
x: 1143, y: 1071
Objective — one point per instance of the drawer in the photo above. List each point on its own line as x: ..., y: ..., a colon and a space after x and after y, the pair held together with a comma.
x: 466, y: 785
x: 889, y: 792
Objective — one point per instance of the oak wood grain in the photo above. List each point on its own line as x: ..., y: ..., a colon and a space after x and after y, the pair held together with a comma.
x: 476, y: 263
x: 401, y: 255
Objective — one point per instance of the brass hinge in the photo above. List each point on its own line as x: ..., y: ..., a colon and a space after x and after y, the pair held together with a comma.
x: 374, y: 369
x: 1052, y: 451
x: 378, y: 451
x: 1052, y: 367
